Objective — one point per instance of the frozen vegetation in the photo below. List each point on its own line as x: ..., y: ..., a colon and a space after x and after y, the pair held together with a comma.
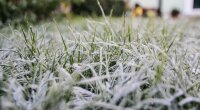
x: 112, y: 64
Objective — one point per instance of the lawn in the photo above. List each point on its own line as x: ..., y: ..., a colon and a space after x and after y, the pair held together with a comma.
x: 94, y: 64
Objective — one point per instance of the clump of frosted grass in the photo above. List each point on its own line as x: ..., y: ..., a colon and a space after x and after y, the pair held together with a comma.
x: 101, y: 65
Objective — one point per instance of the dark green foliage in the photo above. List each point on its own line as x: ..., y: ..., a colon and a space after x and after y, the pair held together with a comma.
x: 42, y: 8
x: 26, y: 9
x: 90, y: 7
x: 36, y: 10
x: 8, y: 10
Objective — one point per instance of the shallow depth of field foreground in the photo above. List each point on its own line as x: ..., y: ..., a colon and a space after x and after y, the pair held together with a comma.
x: 110, y: 64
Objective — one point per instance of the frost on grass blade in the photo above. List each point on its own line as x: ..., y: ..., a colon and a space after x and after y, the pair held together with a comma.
x: 100, y: 64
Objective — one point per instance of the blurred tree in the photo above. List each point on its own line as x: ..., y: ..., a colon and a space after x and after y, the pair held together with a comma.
x: 8, y: 10
x: 17, y: 9
x: 35, y: 10
x: 42, y: 8
x: 90, y: 7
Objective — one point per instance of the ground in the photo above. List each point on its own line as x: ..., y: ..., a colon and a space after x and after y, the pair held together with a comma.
x: 119, y: 64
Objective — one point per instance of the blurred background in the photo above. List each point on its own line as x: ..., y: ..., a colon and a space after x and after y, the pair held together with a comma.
x: 19, y: 11
x: 37, y: 10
